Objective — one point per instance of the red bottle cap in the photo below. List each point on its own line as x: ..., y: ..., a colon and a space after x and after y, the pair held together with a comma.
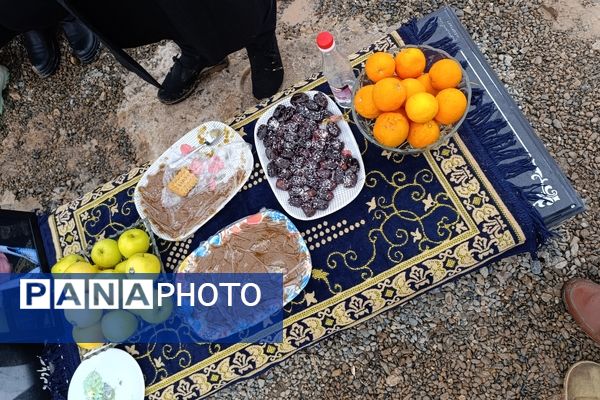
x: 325, y: 40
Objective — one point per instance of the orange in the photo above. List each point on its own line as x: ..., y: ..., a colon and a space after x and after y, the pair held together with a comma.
x: 412, y: 86
x: 364, y: 104
x: 452, y: 105
x: 410, y: 63
x: 445, y: 74
x: 380, y: 65
x: 421, y: 107
x: 389, y: 94
x: 391, y: 129
x: 422, y: 135
x: 426, y: 82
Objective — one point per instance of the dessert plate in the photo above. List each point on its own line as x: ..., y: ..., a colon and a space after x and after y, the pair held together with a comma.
x: 300, y: 272
x: 342, y: 196
x: 246, y: 247
x: 116, y: 368
x: 212, y: 137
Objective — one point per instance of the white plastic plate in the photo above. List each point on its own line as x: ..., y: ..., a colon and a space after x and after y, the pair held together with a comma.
x: 117, y: 368
x: 342, y: 196
x: 174, y: 153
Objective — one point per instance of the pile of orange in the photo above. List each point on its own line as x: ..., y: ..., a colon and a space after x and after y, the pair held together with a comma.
x: 407, y: 102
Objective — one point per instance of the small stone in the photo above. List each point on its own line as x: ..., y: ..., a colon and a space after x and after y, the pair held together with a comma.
x: 74, y: 60
x: 484, y: 272
x: 561, y: 264
x: 14, y: 96
x: 336, y: 372
x: 546, y: 297
x: 557, y: 124
x: 393, y: 380
x: 537, y: 60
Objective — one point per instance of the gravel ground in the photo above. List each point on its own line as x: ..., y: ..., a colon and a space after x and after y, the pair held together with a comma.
x: 502, y: 333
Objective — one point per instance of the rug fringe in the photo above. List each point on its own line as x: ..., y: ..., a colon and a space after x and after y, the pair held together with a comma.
x: 508, y: 161
x: 413, y: 35
x: 487, y: 131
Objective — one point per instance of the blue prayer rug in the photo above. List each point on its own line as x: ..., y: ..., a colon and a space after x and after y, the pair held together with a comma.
x: 420, y: 222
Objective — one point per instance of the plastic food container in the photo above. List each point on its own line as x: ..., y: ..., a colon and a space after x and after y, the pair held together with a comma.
x: 267, y: 242
x: 193, y: 180
x: 284, y: 234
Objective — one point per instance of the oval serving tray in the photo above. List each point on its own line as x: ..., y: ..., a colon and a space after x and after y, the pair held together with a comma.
x: 343, y: 196
x: 196, y: 138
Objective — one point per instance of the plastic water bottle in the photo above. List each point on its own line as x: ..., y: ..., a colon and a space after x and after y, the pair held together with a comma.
x: 337, y: 70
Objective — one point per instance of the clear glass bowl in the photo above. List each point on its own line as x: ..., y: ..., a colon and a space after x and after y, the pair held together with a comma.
x: 446, y: 131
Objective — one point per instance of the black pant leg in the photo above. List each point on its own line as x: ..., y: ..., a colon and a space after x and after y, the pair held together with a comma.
x: 25, y: 15
x: 126, y: 23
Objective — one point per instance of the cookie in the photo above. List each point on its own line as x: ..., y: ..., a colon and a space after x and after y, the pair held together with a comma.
x: 183, y: 182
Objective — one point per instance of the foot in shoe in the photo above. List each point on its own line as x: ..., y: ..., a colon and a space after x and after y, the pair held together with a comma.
x: 42, y: 49
x: 582, y: 299
x: 84, y: 44
x: 184, y: 76
x: 266, y: 66
x: 582, y: 381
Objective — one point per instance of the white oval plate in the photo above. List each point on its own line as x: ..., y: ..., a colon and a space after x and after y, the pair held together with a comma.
x: 117, y: 368
x: 173, y: 154
x: 343, y: 196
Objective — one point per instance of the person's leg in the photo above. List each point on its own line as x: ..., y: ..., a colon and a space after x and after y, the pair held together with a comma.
x: 25, y: 15
x: 228, y: 25
x: 43, y: 50
x: 37, y: 21
x: 186, y: 73
x: 126, y: 23
x: 265, y: 59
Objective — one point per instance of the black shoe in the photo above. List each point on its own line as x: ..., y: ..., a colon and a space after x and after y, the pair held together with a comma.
x: 184, y: 76
x: 84, y: 44
x: 42, y: 49
x: 266, y: 66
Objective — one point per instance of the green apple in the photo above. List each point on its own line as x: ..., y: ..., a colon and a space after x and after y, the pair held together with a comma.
x: 144, y: 263
x: 65, y: 263
x: 81, y: 267
x: 119, y: 325
x: 83, y: 318
x: 90, y: 337
x: 108, y: 271
x: 133, y: 241
x: 121, y: 268
x: 106, y: 254
x: 157, y: 314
